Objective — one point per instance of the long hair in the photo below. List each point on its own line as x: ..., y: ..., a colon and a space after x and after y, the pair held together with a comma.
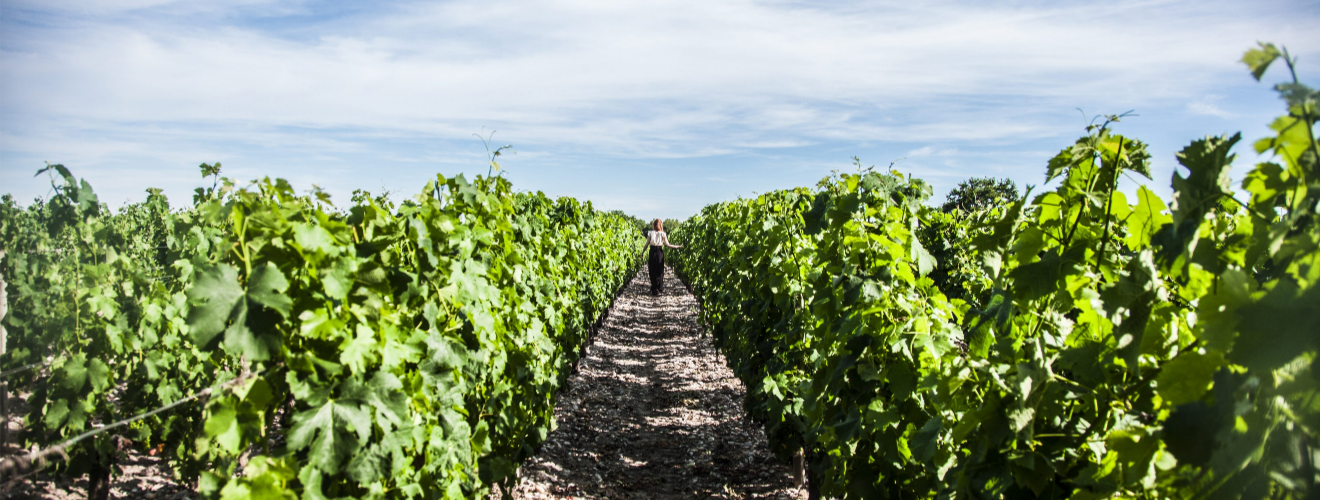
x: 658, y: 224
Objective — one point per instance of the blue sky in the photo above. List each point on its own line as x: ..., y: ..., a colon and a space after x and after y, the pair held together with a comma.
x: 654, y: 108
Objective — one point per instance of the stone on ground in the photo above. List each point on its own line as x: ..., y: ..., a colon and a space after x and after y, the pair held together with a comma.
x: 654, y: 412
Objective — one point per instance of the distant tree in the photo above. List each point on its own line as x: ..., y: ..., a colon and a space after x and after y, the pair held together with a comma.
x: 979, y: 193
x: 672, y: 225
x: 645, y: 226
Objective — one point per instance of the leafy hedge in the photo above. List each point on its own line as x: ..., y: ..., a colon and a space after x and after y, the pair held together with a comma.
x: 1097, y: 347
x: 377, y: 352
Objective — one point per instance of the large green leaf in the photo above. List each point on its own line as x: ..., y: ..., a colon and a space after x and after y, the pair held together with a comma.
x: 1258, y: 60
x: 325, y: 432
x: 215, y: 298
x: 1207, y: 161
x: 1278, y: 326
x: 267, y: 288
x: 1187, y: 377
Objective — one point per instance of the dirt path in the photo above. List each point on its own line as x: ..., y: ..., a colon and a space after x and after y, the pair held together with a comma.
x: 654, y: 412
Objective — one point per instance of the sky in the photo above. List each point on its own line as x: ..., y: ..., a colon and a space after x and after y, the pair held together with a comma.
x: 656, y: 108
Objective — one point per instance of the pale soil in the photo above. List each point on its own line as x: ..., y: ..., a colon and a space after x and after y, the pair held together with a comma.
x: 654, y: 412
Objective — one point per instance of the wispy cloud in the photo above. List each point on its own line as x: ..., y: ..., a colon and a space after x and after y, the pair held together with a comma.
x: 931, y: 151
x: 166, y: 82
x: 1206, y: 106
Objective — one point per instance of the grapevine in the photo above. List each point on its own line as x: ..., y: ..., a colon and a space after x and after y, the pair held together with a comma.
x: 1078, y: 345
x: 394, y: 352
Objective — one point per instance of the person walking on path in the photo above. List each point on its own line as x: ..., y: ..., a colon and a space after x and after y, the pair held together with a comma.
x: 657, y: 240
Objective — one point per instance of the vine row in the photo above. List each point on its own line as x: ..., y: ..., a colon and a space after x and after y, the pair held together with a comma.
x: 375, y: 351
x: 1077, y: 344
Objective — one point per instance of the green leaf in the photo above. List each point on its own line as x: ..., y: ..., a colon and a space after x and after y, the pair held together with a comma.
x: 1136, y: 449
x: 324, y: 431
x: 223, y: 426
x: 1065, y: 159
x: 314, y: 238
x: 98, y: 373
x: 321, y: 324
x: 210, y: 483
x: 256, y: 392
x: 925, y: 261
x: 996, y: 241
x: 1043, y: 277
x: 1020, y: 418
x: 338, y: 279
x: 1258, y: 60
x: 981, y: 324
x: 1266, y: 184
x: 214, y: 298
x: 1297, y: 94
x: 1123, y: 154
x: 481, y: 443
x: 925, y: 442
x: 74, y: 372
x: 311, y: 479
x: 1147, y: 218
x: 88, y: 203
x: 901, y: 381
x: 263, y: 478
x: 56, y: 413
x: 1187, y: 377
x: 1218, y: 318
x: 1277, y: 326
x: 209, y: 170
x: 361, y: 351
x: 1127, y: 303
x: 1207, y: 161
x: 815, y: 219
x: 969, y: 422
x: 396, y: 352
x: 242, y: 340
x: 267, y: 286
x: 383, y: 392
x: 62, y: 170
x: 878, y: 417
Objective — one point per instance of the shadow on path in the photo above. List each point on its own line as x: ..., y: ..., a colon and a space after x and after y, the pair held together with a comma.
x: 654, y: 412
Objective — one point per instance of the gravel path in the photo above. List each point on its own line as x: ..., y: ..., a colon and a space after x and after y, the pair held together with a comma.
x: 654, y: 412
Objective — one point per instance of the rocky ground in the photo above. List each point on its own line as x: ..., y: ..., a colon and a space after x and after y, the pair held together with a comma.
x: 654, y: 412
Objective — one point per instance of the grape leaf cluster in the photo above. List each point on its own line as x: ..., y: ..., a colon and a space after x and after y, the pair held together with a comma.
x: 1082, y: 344
x: 381, y: 351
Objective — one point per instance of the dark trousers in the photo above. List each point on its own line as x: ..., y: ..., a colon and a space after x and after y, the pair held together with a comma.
x: 656, y: 264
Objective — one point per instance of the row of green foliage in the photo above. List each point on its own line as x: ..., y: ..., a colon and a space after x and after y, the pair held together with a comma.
x: 1079, y: 344
x: 375, y: 352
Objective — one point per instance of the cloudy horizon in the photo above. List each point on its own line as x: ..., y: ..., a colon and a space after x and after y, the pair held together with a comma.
x: 654, y: 108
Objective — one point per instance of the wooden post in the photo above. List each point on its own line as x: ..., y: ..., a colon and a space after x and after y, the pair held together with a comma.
x: 813, y: 487
x: 4, y: 384
x: 799, y: 474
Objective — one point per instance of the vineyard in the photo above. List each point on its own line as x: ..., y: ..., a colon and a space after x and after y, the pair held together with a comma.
x: 1077, y: 344
x: 1071, y: 343
x: 378, y: 351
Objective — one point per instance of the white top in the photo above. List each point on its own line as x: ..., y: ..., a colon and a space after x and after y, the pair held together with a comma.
x: 657, y: 239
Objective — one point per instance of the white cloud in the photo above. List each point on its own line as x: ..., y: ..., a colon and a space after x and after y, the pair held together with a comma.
x: 660, y: 80
x: 545, y: 64
x: 931, y: 151
x: 1207, y: 107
